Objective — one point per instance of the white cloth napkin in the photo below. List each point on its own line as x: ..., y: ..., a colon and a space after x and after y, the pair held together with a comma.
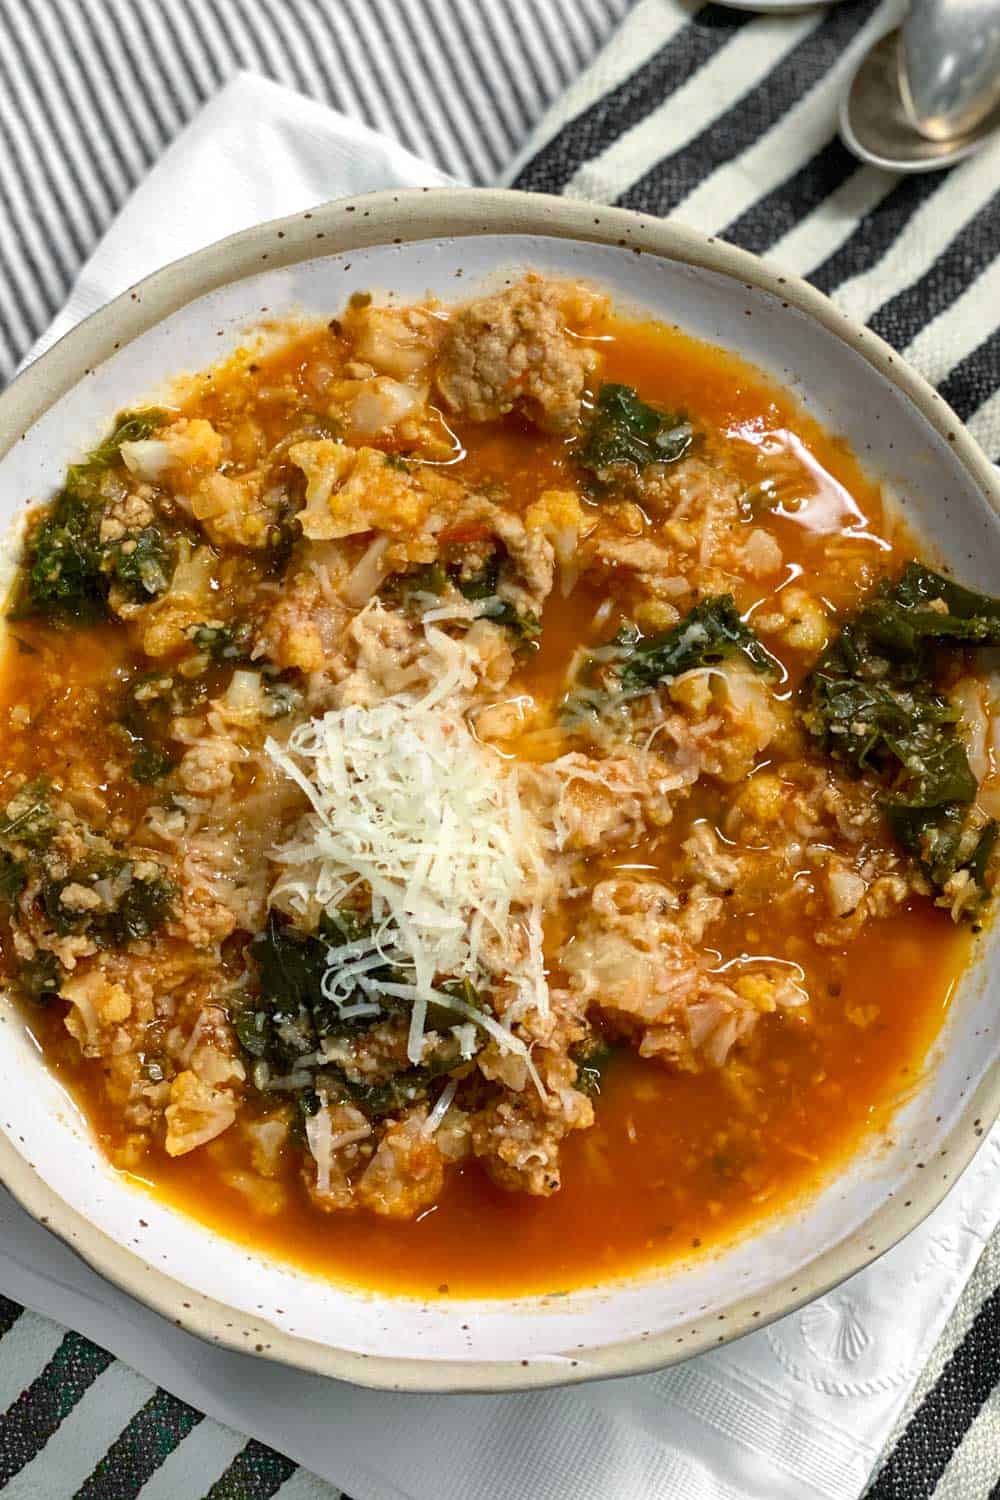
x: 796, y: 1411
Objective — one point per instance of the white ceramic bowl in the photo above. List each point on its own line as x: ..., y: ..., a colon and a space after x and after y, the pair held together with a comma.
x: 452, y: 242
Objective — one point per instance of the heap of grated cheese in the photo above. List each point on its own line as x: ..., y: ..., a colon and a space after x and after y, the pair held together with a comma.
x: 408, y: 804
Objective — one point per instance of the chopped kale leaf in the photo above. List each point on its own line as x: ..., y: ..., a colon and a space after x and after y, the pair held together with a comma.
x: 419, y: 586
x: 292, y: 1016
x: 145, y: 904
x: 596, y: 688
x: 341, y: 924
x: 27, y: 819
x: 62, y: 573
x: 590, y: 1064
x: 112, y: 900
x: 282, y: 535
x: 130, y: 427
x: 141, y: 563
x: 872, y: 703
x: 290, y: 966
x: 387, y: 1097
x: 13, y: 877
x: 309, y: 1103
x: 224, y: 644
x: 284, y: 1026
x: 624, y: 432
x: 39, y: 978
x: 441, y: 1018
x: 253, y: 1030
x: 151, y: 763
x: 102, y: 892
x: 526, y: 627
x: 920, y: 588
x: 83, y: 480
x: 68, y: 570
x: 148, y: 705
x: 483, y: 583
x: 414, y: 589
x: 481, y: 586
x: 710, y: 633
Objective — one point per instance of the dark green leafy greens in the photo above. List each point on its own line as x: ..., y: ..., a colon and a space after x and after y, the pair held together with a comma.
x: 291, y: 1016
x: 872, y: 703
x: 481, y: 587
x: 13, y: 877
x: 282, y: 535
x: 142, y: 564
x: 710, y: 633
x: 591, y: 1061
x: 39, y: 977
x: 136, y: 898
x: 149, y: 703
x: 26, y: 829
x: 286, y: 1023
x: 104, y: 894
x: 68, y: 569
x: 522, y: 624
x: 27, y: 819
x: 624, y: 433
x: 151, y: 763
x: 130, y: 427
x: 416, y: 588
x: 481, y: 584
x: 63, y: 574
x: 390, y: 1095
x: 224, y: 644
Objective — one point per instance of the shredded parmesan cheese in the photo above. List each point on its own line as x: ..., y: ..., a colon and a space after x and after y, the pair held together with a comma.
x: 441, y: 1107
x: 407, y: 803
x: 324, y: 1142
x: 318, y: 1138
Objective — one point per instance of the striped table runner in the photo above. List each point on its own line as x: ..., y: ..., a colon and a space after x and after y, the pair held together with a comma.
x: 721, y: 118
x: 92, y: 91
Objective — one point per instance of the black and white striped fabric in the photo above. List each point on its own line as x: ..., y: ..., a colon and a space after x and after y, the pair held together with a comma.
x: 721, y: 118
x: 92, y: 91
x: 727, y: 121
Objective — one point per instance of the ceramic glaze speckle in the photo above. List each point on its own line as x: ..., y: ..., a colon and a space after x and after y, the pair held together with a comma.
x: 411, y: 244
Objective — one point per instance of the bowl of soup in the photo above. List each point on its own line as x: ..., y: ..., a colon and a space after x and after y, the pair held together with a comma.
x: 497, y: 792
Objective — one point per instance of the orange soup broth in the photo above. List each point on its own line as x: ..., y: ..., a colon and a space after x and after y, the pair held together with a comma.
x: 676, y: 1162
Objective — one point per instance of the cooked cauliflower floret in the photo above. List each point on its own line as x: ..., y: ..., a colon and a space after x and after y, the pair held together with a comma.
x: 396, y: 341
x: 97, y: 1003
x: 190, y: 444
x: 406, y: 1173
x: 188, y: 601
x: 350, y: 490
x: 563, y: 521
x: 379, y: 405
x: 234, y: 510
x: 807, y: 628
x: 196, y: 1114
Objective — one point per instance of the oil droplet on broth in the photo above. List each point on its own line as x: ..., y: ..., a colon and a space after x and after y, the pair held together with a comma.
x: 802, y: 491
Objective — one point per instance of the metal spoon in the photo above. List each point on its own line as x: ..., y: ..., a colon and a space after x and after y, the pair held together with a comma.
x: 949, y: 65
x: 876, y: 125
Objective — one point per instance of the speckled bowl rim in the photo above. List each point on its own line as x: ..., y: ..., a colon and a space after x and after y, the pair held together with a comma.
x: 397, y: 218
